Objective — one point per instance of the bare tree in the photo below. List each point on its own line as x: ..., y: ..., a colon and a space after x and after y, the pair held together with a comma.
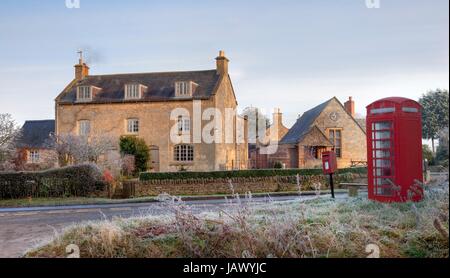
x: 257, y: 124
x: 73, y: 149
x: 9, y: 133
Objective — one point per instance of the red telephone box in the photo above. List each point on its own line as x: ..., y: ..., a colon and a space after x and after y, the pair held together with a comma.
x: 394, y: 150
x: 329, y: 162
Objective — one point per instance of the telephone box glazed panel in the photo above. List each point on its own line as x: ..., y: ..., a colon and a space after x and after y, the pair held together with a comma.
x: 394, y: 150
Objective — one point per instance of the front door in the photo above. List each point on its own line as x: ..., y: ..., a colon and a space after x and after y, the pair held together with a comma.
x: 154, y: 159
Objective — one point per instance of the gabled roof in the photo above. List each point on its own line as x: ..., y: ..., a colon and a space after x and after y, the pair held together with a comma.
x: 303, y: 124
x: 315, y: 137
x: 35, y: 134
x: 160, y: 86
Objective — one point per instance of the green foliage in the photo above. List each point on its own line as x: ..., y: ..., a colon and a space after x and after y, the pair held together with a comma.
x: 241, y: 174
x: 442, y: 153
x: 131, y: 145
x: 74, y: 181
x: 435, y: 112
x: 427, y: 153
x: 278, y: 165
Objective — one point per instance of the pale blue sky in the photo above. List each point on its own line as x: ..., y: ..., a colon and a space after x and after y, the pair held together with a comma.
x: 288, y: 54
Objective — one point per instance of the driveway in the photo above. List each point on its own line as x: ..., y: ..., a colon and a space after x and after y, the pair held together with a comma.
x: 25, y: 228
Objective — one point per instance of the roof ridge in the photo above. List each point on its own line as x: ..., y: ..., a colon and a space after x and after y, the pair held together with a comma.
x: 144, y: 73
x: 35, y: 121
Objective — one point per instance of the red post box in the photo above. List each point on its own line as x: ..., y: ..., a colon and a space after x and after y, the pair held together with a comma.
x: 329, y: 162
x: 394, y: 150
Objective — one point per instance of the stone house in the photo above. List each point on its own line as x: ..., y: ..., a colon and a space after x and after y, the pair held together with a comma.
x: 176, y: 113
x: 34, y: 150
x: 273, y: 135
x: 328, y: 126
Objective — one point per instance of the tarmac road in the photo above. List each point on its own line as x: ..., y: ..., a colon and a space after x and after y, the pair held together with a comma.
x: 25, y: 228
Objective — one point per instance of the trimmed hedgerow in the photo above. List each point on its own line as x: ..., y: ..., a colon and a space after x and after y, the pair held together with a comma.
x: 73, y: 181
x: 241, y: 174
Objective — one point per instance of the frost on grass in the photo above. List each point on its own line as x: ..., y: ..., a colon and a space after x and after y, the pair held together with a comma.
x: 300, y: 229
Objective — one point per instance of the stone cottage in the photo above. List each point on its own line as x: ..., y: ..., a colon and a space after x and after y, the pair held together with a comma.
x: 176, y: 113
x: 34, y: 149
x: 273, y: 135
x: 328, y: 126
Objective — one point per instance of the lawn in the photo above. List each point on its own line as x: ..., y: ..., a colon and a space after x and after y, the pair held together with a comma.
x: 318, y: 228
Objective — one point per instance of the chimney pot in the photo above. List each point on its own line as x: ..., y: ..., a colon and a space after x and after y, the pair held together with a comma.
x: 350, y: 106
x: 81, y: 70
x: 277, y: 117
x: 222, y: 63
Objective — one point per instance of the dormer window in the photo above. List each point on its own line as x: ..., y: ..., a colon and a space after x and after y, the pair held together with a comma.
x: 84, y: 93
x: 184, y: 88
x: 133, y: 91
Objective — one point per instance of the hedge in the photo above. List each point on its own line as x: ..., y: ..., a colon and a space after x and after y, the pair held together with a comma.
x: 242, y: 174
x: 72, y: 181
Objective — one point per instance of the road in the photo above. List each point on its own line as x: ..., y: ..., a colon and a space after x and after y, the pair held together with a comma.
x: 25, y: 228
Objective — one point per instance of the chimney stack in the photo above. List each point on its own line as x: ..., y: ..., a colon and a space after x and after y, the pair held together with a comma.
x: 222, y: 63
x: 81, y: 69
x: 350, y: 106
x: 278, y: 117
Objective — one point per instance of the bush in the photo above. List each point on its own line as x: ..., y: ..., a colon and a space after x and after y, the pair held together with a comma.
x: 128, y: 165
x: 131, y: 145
x: 441, y: 154
x: 74, y: 181
x: 427, y: 153
x: 278, y: 165
x: 241, y: 174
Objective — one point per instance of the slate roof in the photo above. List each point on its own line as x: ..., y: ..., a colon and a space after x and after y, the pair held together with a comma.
x: 362, y: 123
x: 36, y: 133
x: 303, y: 124
x: 161, y: 86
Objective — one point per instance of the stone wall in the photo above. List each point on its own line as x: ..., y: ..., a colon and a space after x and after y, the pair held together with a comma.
x: 238, y: 185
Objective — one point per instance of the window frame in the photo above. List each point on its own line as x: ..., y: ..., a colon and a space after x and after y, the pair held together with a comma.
x: 136, y: 93
x: 82, y: 94
x: 81, y: 128
x: 34, y: 156
x: 333, y: 139
x: 184, y: 125
x: 183, y: 88
x: 131, y: 126
x: 183, y: 153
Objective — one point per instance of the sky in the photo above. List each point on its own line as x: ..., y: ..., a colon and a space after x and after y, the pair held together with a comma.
x: 283, y: 54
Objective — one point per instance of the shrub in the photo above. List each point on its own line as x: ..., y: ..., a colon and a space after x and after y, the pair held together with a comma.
x: 442, y: 154
x: 74, y: 181
x: 278, y: 165
x: 128, y: 165
x: 131, y: 145
x: 427, y: 153
x: 241, y: 174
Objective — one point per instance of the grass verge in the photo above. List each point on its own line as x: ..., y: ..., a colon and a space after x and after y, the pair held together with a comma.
x: 73, y: 201
x: 294, y: 229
